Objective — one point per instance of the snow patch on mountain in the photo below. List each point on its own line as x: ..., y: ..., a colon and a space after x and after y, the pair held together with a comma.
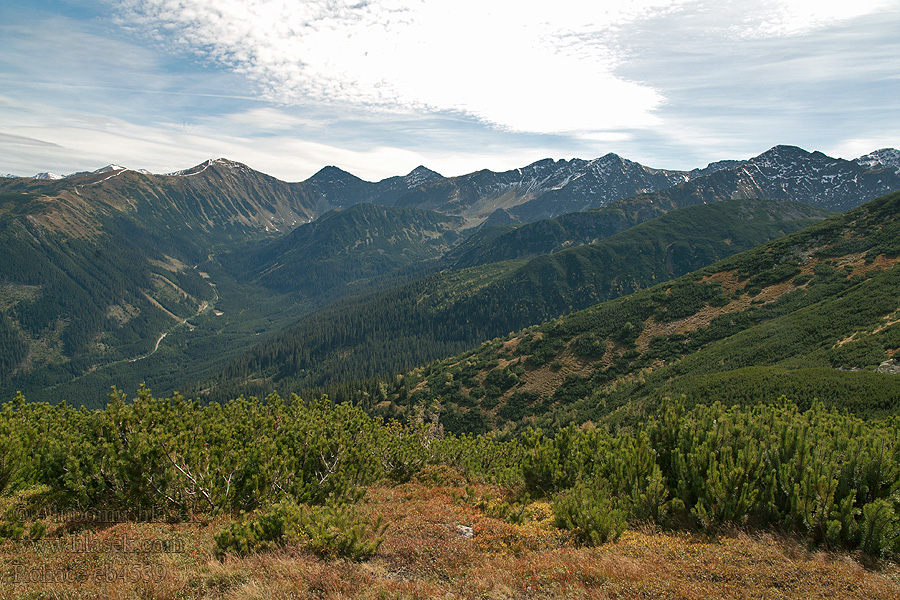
x: 109, y: 169
x: 886, y: 158
x: 196, y: 170
x: 420, y: 175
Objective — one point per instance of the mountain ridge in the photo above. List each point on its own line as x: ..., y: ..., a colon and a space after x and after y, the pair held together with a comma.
x: 548, y: 188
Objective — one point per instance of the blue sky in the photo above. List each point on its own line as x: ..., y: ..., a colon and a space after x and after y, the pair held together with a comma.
x: 378, y: 88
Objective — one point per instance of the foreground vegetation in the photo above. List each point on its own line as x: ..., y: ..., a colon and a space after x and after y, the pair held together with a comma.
x: 424, y: 556
x: 278, y: 498
x: 830, y: 478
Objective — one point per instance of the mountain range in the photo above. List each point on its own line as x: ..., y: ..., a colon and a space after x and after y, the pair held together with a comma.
x: 549, y: 188
x: 193, y: 279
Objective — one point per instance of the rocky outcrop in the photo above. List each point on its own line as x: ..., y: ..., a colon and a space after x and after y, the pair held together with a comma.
x: 889, y: 367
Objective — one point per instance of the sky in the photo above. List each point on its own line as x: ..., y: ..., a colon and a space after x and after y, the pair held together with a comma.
x: 380, y: 87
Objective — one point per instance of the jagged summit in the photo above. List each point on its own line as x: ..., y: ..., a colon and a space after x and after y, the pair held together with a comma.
x: 784, y: 152
x: 714, y: 167
x: 544, y: 162
x: 610, y: 158
x: 885, y: 158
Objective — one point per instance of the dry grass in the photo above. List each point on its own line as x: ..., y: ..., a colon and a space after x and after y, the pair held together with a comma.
x: 425, y: 555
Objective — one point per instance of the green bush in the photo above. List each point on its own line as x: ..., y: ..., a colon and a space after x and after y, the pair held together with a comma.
x: 332, y: 531
x: 339, y: 532
x: 880, y: 531
x: 587, y: 511
x: 11, y: 451
x: 12, y: 530
x: 830, y: 477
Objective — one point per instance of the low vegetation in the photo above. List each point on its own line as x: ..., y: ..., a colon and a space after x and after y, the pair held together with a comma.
x: 270, y: 482
x: 829, y: 477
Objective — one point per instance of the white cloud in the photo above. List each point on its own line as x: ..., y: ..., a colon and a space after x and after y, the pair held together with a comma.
x: 521, y: 66
x: 856, y: 147
x: 379, y: 87
x: 272, y: 119
x: 778, y: 18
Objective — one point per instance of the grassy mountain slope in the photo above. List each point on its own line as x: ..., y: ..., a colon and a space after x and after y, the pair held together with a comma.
x: 452, y: 310
x: 216, y: 203
x: 67, y: 298
x: 345, y: 247
x: 98, y: 266
x: 551, y: 235
x: 79, y: 315
x: 782, y: 318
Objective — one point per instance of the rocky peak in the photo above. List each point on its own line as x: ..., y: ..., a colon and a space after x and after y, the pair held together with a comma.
x: 420, y: 175
x: 885, y: 158
x: 109, y: 169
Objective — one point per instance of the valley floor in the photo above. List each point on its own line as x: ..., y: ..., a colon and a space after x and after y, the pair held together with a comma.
x: 436, y: 546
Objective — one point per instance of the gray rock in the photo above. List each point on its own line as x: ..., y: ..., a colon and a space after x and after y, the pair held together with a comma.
x: 889, y: 367
x: 466, y: 532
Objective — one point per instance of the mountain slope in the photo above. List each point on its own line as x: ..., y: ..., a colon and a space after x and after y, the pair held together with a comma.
x: 547, y: 189
x: 216, y: 203
x: 552, y: 235
x: 446, y: 312
x: 346, y: 248
x: 101, y: 267
x: 104, y: 268
x: 786, y: 316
